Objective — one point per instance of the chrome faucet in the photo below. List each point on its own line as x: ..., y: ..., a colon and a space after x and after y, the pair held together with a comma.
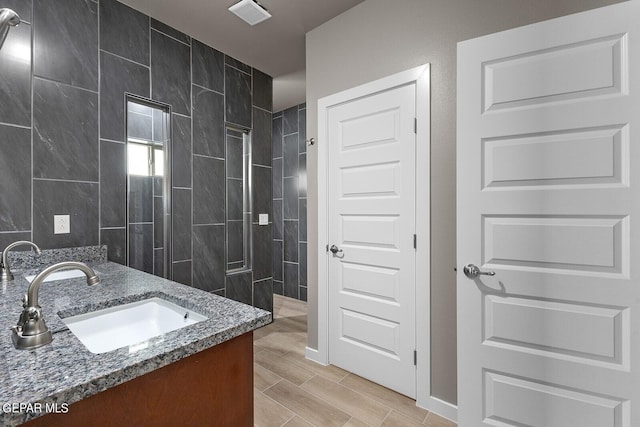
x: 5, y: 271
x: 31, y: 331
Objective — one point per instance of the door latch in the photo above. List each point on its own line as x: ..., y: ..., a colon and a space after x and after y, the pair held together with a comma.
x: 334, y: 250
x: 472, y: 271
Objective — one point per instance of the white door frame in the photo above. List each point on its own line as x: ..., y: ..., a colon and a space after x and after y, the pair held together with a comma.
x: 421, y: 76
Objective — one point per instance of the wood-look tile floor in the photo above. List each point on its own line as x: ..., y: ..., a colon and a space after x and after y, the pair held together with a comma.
x: 290, y: 390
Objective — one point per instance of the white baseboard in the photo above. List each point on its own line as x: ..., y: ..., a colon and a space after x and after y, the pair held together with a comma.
x: 439, y: 407
x: 314, y: 355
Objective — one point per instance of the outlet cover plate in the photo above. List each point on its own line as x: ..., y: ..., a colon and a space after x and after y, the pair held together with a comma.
x: 61, y: 224
x: 263, y: 219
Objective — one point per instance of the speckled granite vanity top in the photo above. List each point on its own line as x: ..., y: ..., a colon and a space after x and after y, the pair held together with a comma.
x: 66, y: 372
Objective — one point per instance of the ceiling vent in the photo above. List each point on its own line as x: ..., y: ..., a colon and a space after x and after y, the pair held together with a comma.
x: 250, y: 11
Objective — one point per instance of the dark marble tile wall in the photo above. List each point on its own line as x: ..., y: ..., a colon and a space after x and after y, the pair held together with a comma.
x: 66, y: 70
x: 289, y: 187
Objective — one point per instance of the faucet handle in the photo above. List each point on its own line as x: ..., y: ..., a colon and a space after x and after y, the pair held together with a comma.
x: 25, y: 298
x: 33, y: 313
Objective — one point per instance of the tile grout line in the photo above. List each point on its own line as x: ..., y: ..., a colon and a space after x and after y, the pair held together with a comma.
x: 321, y: 399
x: 389, y: 409
x: 303, y: 383
x: 372, y: 397
x: 294, y: 415
x: 275, y: 401
x: 32, y: 124
x: 318, y: 397
x: 99, y: 111
x: 385, y: 418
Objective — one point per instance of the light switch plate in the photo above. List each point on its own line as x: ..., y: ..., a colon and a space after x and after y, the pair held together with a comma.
x: 263, y: 219
x: 61, y: 224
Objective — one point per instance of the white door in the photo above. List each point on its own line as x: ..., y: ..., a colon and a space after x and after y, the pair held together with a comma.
x: 548, y: 160
x: 371, y: 196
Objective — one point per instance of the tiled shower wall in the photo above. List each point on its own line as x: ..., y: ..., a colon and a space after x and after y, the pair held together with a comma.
x: 63, y: 76
x: 290, y: 202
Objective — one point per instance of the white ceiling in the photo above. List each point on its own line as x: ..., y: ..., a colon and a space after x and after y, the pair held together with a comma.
x: 275, y: 46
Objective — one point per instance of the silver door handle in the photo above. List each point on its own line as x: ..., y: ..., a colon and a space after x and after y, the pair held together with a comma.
x: 472, y: 271
x: 334, y: 249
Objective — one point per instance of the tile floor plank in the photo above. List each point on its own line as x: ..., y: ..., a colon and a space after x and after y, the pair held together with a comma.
x: 385, y: 396
x: 347, y: 400
x: 330, y: 372
x: 306, y: 405
x: 297, y: 422
x: 281, y: 342
x: 291, y: 324
x: 396, y: 419
x: 354, y: 422
x: 263, y: 378
x: 434, y: 420
x: 288, y: 307
x: 268, y: 413
x: 276, y: 364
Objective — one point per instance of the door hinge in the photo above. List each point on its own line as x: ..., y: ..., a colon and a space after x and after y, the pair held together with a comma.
x: 415, y: 125
x: 415, y: 241
x: 415, y: 357
x: 327, y: 248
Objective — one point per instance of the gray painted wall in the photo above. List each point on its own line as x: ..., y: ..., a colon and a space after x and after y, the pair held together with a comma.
x: 378, y: 38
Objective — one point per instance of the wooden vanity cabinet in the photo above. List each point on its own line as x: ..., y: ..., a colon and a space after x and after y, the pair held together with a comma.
x: 211, y: 388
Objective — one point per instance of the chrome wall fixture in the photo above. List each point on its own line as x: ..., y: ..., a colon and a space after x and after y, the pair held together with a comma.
x: 8, y: 19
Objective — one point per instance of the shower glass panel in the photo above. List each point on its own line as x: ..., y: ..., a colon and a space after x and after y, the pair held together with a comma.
x: 238, y: 177
x: 148, y: 187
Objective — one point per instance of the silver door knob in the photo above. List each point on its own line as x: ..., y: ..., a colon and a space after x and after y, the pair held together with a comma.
x: 472, y: 271
x: 334, y: 249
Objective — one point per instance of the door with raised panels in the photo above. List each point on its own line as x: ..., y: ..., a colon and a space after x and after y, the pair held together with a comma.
x: 371, y: 193
x: 548, y: 160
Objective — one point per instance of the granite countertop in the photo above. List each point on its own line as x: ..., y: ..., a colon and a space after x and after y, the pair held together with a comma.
x: 66, y: 372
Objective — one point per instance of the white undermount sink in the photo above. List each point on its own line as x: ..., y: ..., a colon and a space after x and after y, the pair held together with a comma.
x: 59, y: 275
x: 128, y: 324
